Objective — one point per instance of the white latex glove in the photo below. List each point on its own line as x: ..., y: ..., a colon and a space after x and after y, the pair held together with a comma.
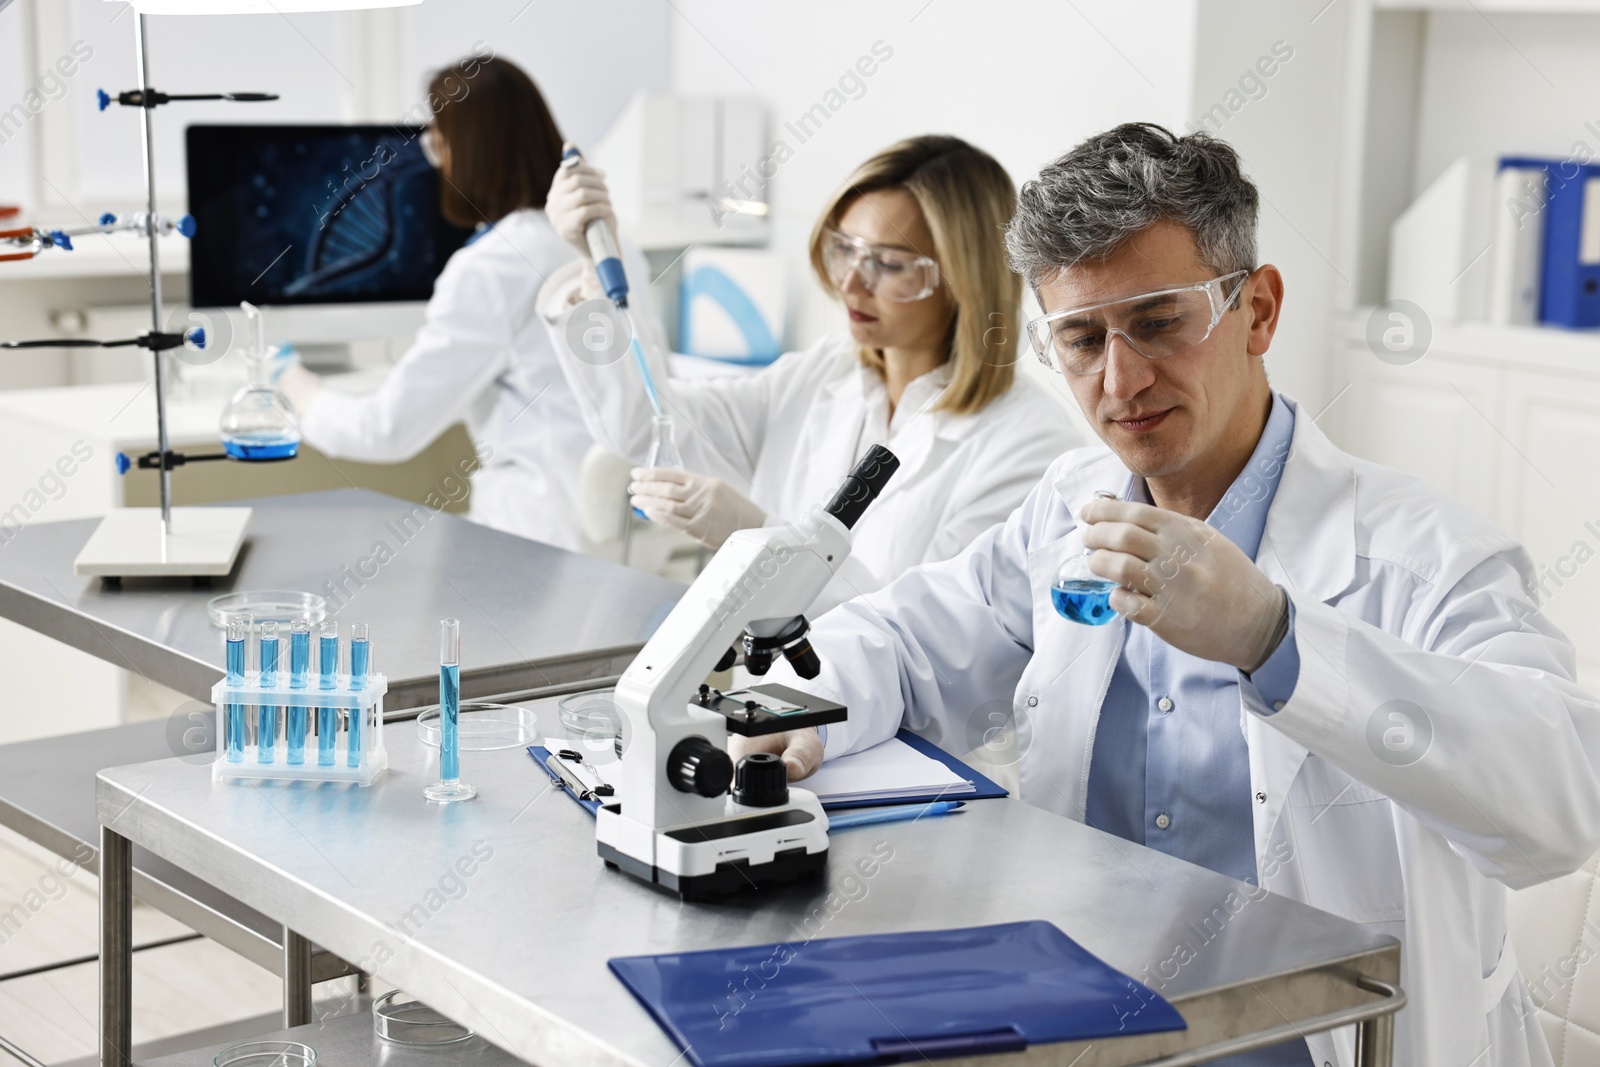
x: 279, y: 359
x: 577, y: 197
x: 705, y: 508
x: 801, y: 749
x: 1188, y: 583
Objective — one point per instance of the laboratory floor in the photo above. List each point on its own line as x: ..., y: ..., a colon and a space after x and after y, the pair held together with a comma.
x: 192, y: 986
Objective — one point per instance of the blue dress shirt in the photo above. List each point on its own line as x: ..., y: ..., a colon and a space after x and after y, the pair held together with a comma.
x: 1170, y: 768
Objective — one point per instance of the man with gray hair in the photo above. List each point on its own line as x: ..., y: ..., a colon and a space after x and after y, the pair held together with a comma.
x: 1314, y: 674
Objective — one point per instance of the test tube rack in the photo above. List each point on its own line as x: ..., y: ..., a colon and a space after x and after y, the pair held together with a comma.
x: 363, y: 706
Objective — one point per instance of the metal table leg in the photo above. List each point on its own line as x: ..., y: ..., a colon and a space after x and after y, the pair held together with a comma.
x: 296, y: 979
x: 1375, y: 1042
x: 116, y: 949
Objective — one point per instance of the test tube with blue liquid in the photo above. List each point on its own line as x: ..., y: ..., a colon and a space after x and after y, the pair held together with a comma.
x: 299, y: 667
x: 449, y: 787
x: 1078, y: 593
x: 360, y: 664
x: 233, y: 717
x: 327, y: 678
x: 267, y: 714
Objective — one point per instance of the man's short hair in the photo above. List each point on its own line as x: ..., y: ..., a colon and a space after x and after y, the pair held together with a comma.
x: 1091, y: 201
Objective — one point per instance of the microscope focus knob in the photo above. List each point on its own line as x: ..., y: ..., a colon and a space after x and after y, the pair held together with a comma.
x: 761, y: 781
x: 698, y: 766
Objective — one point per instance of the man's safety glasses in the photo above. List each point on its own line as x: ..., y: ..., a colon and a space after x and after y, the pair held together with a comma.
x: 1155, y: 325
x: 888, y: 273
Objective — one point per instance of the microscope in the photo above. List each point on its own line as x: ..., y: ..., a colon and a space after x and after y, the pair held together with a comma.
x: 684, y: 817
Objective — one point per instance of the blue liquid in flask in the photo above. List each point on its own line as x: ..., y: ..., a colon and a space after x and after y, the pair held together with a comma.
x: 258, y: 447
x: 1085, y: 600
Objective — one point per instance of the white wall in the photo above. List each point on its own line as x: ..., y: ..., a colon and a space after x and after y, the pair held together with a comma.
x: 1024, y: 80
x: 69, y: 162
x: 1513, y: 84
x: 1286, y: 128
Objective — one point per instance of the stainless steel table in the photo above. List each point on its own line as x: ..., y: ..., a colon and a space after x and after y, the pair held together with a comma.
x: 499, y: 913
x: 531, y: 616
x: 47, y: 794
x: 349, y: 1040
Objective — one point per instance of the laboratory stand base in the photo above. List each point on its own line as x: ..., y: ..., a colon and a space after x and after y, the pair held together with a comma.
x: 733, y: 877
x: 130, y: 543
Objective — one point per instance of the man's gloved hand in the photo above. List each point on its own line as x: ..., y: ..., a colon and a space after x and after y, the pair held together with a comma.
x: 705, y: 508
x: 801, y: 749
x: 299, y: 385
x: 1187, y: 582
x: 577, y: 197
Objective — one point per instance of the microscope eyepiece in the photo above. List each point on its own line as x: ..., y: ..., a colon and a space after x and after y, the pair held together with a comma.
x: 862, y: 485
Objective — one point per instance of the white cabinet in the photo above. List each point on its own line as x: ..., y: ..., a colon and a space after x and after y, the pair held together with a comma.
x: 1432, y: 418
x: 1508, y: 422
x: 1552, y: 497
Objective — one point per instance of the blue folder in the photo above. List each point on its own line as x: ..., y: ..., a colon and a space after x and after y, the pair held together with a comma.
x: 985, y: 788
x: 890, y: 997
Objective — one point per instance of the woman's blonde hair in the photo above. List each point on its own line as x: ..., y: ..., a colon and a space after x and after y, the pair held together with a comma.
x: 967, y: 199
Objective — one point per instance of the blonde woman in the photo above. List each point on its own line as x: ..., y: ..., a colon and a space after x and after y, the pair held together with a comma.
x: 912, y: 246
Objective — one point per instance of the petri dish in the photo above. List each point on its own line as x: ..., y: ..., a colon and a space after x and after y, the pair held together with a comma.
x: 483, y: 727
x: 404, y: 1020
x: 592, y: 716
x: 267, y: 605
x: 267, y: 1054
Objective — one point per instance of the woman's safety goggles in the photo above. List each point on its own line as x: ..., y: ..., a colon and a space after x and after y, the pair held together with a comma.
x: 887, y: 273
x: 1155, y: 325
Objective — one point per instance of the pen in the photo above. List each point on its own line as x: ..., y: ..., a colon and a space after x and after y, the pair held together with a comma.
x: 901, y: 813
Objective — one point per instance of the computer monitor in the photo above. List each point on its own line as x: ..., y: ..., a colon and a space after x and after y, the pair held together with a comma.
x: 313, y: 215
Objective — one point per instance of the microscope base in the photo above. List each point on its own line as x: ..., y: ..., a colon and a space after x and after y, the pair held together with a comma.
x: 750, y: 848
x: 727, y: 878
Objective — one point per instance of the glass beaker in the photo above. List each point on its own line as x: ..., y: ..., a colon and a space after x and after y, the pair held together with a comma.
x: 663, y: 448
x: 1079, y: 594
x: 259, y: 423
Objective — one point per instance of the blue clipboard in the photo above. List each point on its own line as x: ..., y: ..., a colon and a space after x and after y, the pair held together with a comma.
x: 986, y: 788
x: 889, y: 998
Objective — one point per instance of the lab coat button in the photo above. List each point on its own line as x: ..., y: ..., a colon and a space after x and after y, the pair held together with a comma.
x: 1261, y: 798
x: 1165, y: 703
x: 1033, y: 702
x: 1163, y: 821
x: 1277, y: 705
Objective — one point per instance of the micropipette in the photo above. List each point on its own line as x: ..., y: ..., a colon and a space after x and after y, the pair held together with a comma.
x: 449, y: 787
x: 299, y: 666
x: 233, y: 719
x: 602, y: 247
x: 360, y: 663
x: 328, y: 670
x: 267, y: 714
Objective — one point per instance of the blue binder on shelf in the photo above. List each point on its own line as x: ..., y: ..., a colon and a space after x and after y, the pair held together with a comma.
x: 890, y: 998
x: 1570, y: 290
x: 984, y: 788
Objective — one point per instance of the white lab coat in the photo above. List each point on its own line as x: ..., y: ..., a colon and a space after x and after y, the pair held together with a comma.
x: 1400, y: 595
x: 482, y: 356
x: 787, y: 435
